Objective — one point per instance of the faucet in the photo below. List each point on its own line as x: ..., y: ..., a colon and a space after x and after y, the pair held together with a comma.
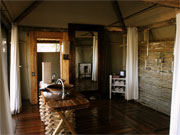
x: 60, y: 81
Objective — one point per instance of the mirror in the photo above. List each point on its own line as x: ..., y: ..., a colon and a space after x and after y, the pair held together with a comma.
x: 86, y: 60
x: 87, y: 56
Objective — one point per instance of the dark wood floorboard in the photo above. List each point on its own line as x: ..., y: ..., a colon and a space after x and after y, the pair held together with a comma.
x: 28, y: 121
x: 86, y: 84
x: 104, y: 116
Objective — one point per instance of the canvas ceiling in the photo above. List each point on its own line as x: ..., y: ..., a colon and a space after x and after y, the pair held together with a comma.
x: 60, y: 13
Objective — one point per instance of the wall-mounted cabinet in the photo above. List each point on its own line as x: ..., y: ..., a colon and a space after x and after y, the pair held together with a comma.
x: 116, y: 85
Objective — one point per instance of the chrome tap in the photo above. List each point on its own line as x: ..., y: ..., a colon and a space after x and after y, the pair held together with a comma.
x: 60, y: 81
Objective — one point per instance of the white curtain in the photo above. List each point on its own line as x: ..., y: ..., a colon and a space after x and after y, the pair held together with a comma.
x: 175, y: 102
x: 15, y: 93
x: 6, y: 126
x: 132, y: 64
x: 95, y: 58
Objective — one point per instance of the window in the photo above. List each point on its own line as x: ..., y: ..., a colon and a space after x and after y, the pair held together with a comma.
x: 48, y: 47
x: 5, y: 50
x: 4, y: 44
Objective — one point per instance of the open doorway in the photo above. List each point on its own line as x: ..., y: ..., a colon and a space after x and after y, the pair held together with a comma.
x: 86, y: 58
x: 48, y: 51
x: 64, y: 70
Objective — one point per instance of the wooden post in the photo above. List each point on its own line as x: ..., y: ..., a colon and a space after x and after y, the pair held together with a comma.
x: 33, y: 61
x: 146, y: 40
x: 124, y: 51
x: 64, y: 63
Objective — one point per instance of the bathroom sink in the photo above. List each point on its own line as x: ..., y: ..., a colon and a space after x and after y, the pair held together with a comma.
x: 56, y: 94
x: 59, y: 86
x: 54, y: 91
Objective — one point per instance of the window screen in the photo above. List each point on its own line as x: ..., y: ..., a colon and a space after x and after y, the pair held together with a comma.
x: 48, y: 47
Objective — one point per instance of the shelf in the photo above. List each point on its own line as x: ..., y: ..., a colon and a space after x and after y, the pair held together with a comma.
x: 119, y: 78
x: 117, y: 92
x: 119, y: 85
x: 116, y: 85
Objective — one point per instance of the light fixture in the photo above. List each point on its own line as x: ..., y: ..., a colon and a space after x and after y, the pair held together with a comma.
x: 66, y: 47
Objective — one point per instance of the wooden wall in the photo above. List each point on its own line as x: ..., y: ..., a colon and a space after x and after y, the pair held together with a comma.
x: 155, y: 82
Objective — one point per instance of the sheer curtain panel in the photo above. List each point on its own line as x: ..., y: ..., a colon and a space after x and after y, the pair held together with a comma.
x: 6, y: 127
x: 15, y: 92
x: 175, y: 102
x: 95, y: 58
x: 132, y: 64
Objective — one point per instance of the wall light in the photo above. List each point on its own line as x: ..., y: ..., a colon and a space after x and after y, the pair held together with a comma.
x: 66, y: 47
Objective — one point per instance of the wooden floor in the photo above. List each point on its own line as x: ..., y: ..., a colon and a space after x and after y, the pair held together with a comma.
x: 28, y: 121
x: 103, y: 117
x: 86, y: 84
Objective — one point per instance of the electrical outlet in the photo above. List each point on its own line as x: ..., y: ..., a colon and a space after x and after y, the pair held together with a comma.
x: 33, y: 73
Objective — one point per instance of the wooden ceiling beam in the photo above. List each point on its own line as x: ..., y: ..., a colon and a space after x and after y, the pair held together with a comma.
x: 5, y: 20
x: 118, y: 13
x: 118, y: 29
x: 141, y: 11
x: 137, y: 13
x: 27, y: 11
x: 44, y: 29
x: 165, y: 23
x: 6, y: 9
x: 168, y: 3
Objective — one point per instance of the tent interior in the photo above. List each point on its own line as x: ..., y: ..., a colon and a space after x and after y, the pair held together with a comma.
x: 117, y: 56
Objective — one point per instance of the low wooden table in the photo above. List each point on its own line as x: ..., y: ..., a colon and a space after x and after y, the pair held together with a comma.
x: 64, y: 107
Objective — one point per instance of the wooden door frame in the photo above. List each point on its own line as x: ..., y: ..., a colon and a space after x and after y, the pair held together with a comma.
x: 72, y: 28
x: 33, y: 58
